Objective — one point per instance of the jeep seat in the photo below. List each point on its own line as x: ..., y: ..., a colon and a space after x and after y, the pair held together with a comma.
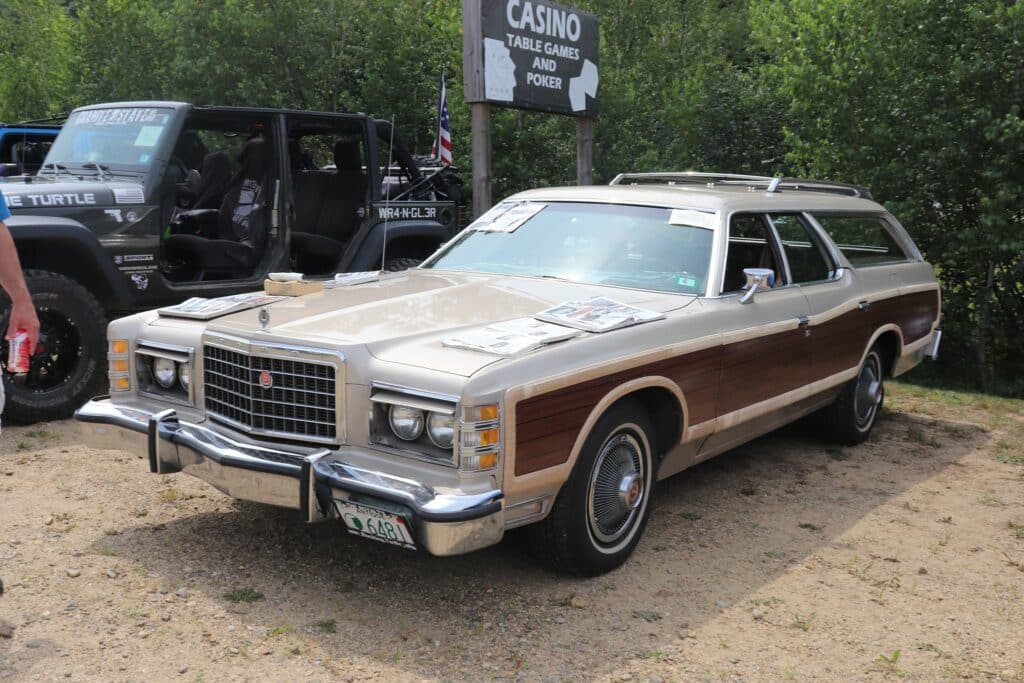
x: 241, y: 222
x: 327, y: 210
x: 215, y: 179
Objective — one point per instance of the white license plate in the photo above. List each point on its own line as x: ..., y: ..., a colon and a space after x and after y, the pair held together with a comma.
x: 376, y: 524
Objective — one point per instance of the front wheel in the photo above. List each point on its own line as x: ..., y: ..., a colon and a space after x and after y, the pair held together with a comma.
x: 851, y: 417
x: 600, y: 514
x: 69, y: 365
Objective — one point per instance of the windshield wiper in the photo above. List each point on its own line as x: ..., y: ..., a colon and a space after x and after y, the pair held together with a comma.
x: 55, y: 167
x: 100, y: 168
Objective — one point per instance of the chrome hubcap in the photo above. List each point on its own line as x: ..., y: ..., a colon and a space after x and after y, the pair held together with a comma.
x: 617, y: 488
x: 869, y: 392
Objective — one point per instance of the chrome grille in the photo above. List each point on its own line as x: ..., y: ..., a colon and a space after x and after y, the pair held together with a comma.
x: 300, y: 402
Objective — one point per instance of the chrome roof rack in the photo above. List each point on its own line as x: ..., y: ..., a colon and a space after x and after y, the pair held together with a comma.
x: 770, y: 183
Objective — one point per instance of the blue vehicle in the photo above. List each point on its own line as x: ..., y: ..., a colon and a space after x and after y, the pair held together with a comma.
x: 23, y: 146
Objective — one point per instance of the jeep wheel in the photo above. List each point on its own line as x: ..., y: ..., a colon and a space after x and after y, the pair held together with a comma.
x: 600, y: 514
x: 69, y: 367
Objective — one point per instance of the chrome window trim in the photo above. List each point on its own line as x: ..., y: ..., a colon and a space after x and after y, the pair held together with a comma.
x: 284, y: 351
x: 725, y: 252
x: 837, y: 268
x: 911, y: 254
x: 153, y: 349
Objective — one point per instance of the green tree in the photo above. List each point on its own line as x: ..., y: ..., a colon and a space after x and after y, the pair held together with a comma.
x: 921, y: 101
x: 34, y: 58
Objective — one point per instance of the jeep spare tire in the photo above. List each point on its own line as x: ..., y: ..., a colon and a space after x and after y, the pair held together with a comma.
x: 69, y: 365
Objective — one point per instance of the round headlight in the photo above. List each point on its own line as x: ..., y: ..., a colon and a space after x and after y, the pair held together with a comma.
x: 441, y: 429
x: 164, y: 372
x: 184, y: 375
x: 406, y: 423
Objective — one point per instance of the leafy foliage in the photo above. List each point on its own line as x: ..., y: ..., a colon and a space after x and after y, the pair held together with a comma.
x: 918, y: 99
x: 921, y: 101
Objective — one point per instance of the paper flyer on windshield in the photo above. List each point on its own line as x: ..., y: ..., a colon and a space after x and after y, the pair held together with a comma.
x: 511, y: 337
x: 201, y: 308
x: 509, y: 219
x: 598, y: 314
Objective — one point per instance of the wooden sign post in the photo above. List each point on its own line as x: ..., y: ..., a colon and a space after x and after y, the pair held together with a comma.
x: 528, y: 54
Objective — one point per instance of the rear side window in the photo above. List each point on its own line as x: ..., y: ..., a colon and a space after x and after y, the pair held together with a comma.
x: 807, y: 257
x: 864, y: 240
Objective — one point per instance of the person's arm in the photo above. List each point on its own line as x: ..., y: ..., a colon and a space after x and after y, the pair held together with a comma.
x: 23, y: 312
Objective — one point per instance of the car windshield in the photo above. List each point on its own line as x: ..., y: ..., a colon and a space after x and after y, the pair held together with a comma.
x: 640, y: 247
x: 125, y: 138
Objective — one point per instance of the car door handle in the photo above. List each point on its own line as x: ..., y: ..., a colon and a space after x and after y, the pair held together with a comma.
x: 864, y: 305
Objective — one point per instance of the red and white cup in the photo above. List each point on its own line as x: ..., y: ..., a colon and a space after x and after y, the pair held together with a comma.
x: 17, y: 353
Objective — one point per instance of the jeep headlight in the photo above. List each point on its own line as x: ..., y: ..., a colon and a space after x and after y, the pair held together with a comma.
x: 441, y: 429
x: 406, y: 422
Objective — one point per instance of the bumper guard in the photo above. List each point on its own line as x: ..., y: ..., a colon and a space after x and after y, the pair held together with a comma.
x: 306, y: 479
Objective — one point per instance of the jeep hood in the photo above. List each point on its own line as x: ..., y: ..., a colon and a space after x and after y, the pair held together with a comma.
x: 41, y: 192
x: 403, y: 318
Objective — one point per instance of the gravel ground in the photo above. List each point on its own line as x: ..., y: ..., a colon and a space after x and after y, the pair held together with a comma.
x: 785, y: 560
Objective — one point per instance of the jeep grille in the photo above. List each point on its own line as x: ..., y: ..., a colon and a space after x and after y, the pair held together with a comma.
x: 292, y: 399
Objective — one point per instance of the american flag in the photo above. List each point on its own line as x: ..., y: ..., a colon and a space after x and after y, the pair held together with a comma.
x: 443, y: 141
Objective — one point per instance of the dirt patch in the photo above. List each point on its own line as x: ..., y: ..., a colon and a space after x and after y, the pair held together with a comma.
x: 787, y: 559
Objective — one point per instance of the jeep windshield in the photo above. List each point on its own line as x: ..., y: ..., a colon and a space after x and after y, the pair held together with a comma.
x: 640, y: 247
x: 116, y: 139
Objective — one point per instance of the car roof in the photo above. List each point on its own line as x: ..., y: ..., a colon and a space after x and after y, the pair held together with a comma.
x: 722, y: 198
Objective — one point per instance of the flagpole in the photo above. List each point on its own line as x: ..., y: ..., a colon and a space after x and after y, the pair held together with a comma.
x: 440, y: 109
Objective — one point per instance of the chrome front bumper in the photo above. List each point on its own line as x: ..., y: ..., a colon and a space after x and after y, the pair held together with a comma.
x: 306, y: 479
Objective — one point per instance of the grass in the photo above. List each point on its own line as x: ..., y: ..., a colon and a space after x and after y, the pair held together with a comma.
x: 802, y: 623
x: 1017, y: 529
x: 887, y: 665
x: 243, y: 594
x: 996, y: 414
x: 810, y: 526
x: 327, y: 625
x: 280, y: 630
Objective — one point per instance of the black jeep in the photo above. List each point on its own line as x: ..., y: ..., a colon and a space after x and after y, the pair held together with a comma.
x: 143, y: 204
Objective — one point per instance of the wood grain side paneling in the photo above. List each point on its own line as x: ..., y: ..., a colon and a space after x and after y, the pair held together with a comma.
x: 839, y: 343
x: 547, y: 425
x: 721, y: 379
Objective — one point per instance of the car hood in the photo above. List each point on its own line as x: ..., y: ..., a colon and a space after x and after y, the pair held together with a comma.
x: 404, y: 317
x: 41, y: 192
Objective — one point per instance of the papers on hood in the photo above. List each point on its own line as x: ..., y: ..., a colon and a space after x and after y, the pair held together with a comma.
x: 201, y: 308
x: 598, y: 314
x: 348, y: 279
x: 511, y: 337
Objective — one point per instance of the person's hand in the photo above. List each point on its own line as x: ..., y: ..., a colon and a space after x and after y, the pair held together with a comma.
x: 23, y: 317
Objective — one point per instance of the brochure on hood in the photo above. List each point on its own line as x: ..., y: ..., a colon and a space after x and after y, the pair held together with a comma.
x: 201, y: 308
x: 511, y: 337
x: 598, y: 314
x: 349, y: 279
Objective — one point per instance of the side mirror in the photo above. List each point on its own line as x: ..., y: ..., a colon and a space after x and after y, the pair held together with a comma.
x: 756, y: 279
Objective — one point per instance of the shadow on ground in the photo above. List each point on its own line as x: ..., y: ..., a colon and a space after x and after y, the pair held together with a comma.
x: 719, y: 531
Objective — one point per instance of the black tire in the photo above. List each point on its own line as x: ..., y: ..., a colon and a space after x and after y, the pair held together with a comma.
x: 393, y: 265
x: 600, y: 513
x: 72, y: 366
x: 850, y: 419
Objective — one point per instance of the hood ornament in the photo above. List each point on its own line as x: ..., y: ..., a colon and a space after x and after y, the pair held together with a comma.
x: 264, y: 317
